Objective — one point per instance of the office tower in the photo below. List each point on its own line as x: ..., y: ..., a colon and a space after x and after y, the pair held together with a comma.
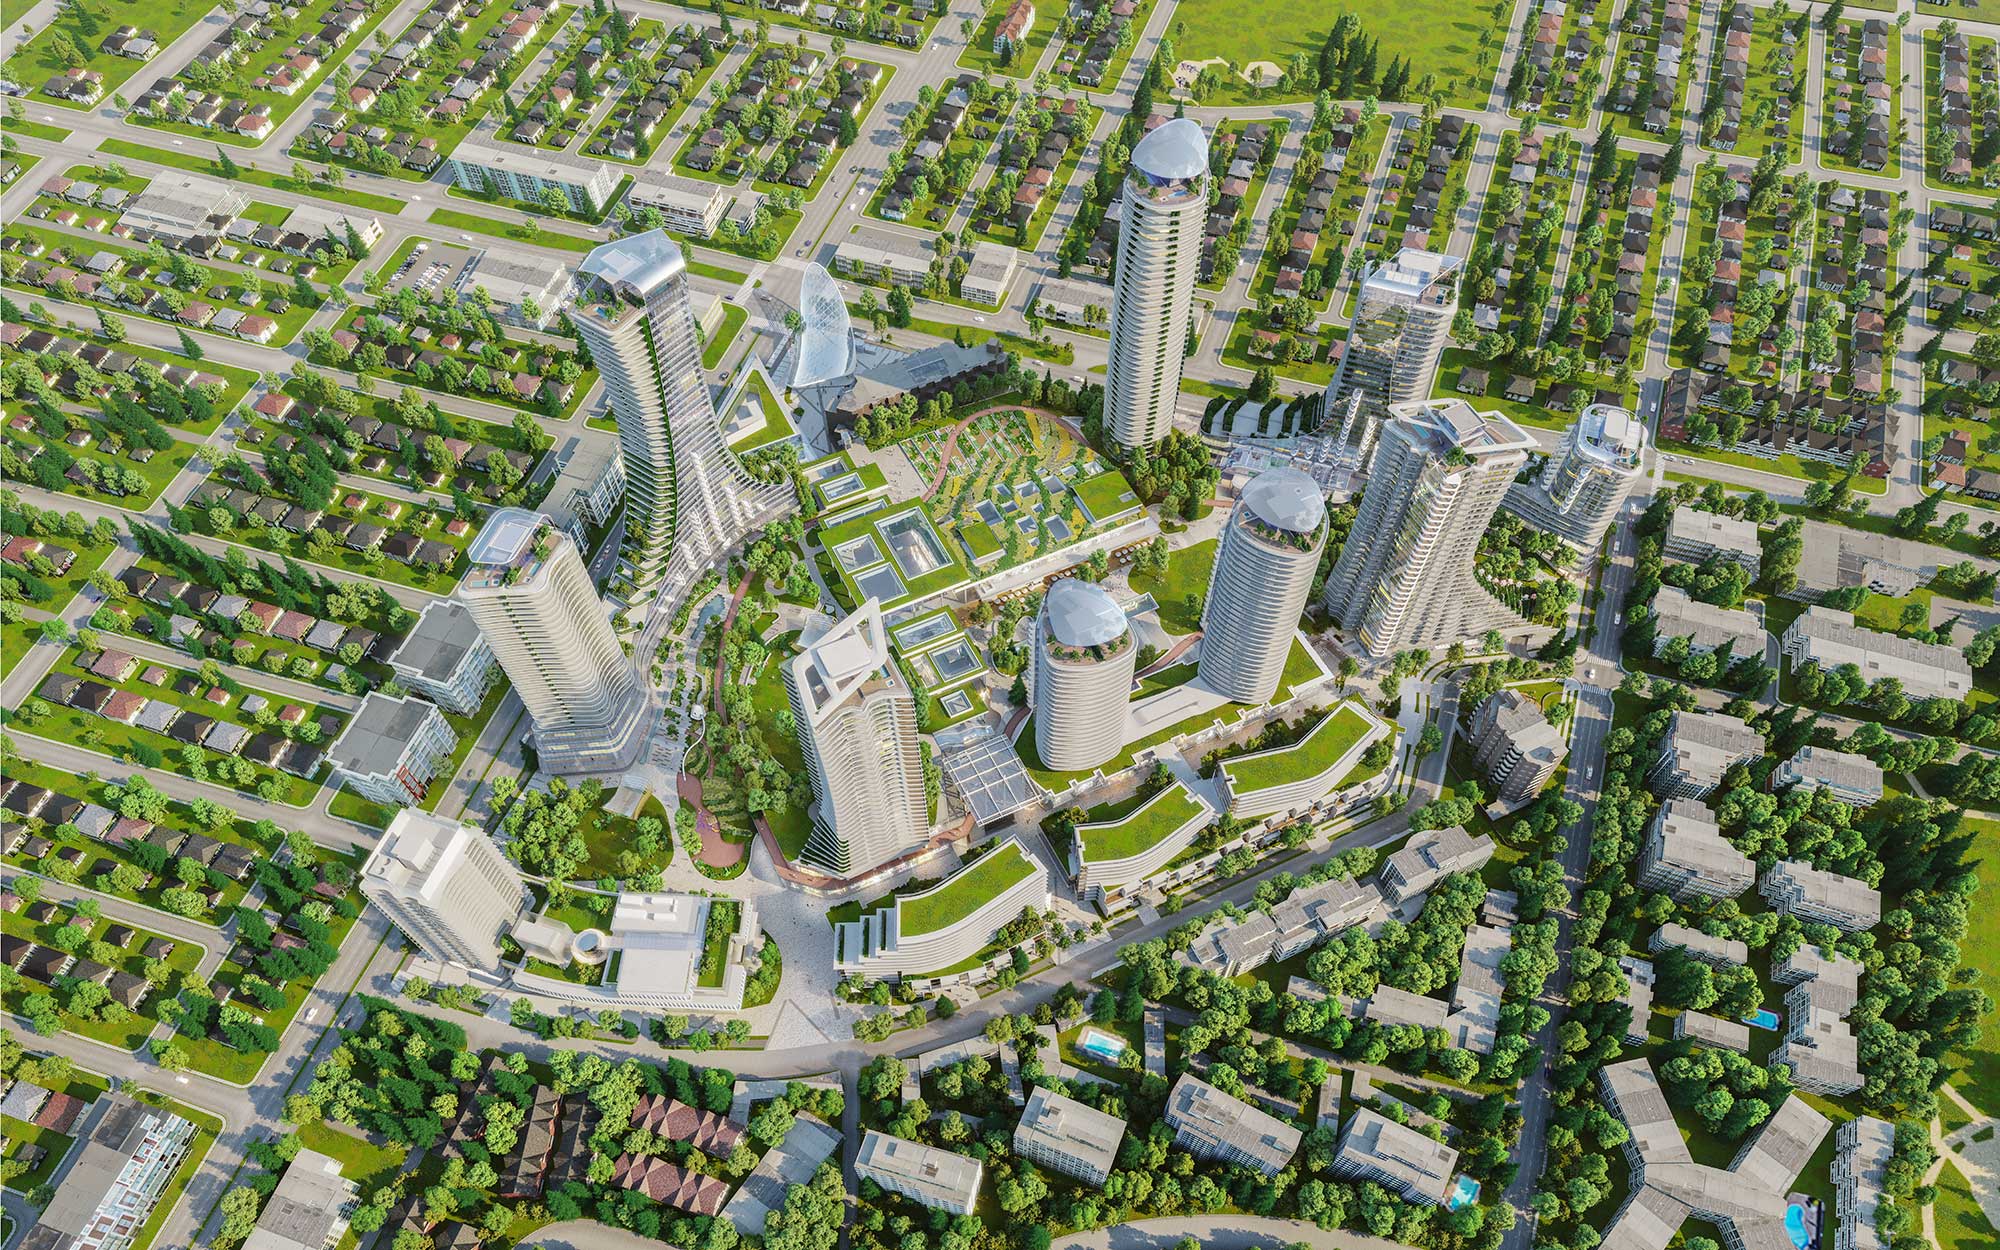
x: 535, y: 604
x: 1083, y: 662
x: 1263, y: 575
x: 857, y: 725
x: 687, y: 501
x: 1402, y: 322
x: 1404, y: 578
x: 1579, y: 490
x: 446, y: 886
x: 1152, y: 304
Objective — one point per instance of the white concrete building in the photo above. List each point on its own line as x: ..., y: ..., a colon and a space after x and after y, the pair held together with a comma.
x: 1430, y: 856
x: 857, y: 726
x: 1699, y: 749
x: 447, y: 887
x: 446, y: 659
x: 1219, y: 1127
x: 1694, y: 536
x: 522, y: 173
x: 1112, y: 860
x: 1863, y: 1147
x: 527, y: 289
x: 688, y: 205
x: 1374, y: 1147
x: 534, y: 602
x: 989, y: 273
x: 1849, y: 778
x: 1706, y: 626
x: 1515, y: 747
x: 1064, y: 1134
x: 1815, y: 895
x: 1829, y: 638
x: 392, y: 749
x: 1159, y: 259
x: 1080, y: 675
x: 1287, y: 779
x: 110, y: 1189
x: 1405, y: 575
x: 923, y: 1174
x: 179, y: 206
x: 688, y: 501
x: 309, y: 1208
x: 1686, y: 855
x: 1263, y: 574
x: 1401, y: 326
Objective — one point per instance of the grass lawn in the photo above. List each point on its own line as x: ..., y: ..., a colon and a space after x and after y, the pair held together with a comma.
x: 32, y: 63
x: 733, y: 317
x: 1978, y: 1075
x: 452, y: 218
x: 776, y: 424
x: 768, y: 697
x: 1318, y: 751
x: 980, y: 58
x: 1961, y: 1225
x: 963, y: 893
x: 1141, y: 828
x: 250, y: 177
x: 21, y: 1133
x: 361, y: 1161
x: 1782, y: 466
x: 1181, y: 591
x: 1439, y: 37
x: 37, y: 130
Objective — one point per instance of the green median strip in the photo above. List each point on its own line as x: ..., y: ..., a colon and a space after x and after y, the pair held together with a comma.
x: 36, y: 130
x: 507, y: 230
x: 249, y: 177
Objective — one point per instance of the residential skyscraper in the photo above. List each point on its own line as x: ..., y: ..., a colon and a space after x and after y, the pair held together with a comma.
x: 1081, y: 675
x: 1404, y: 578
x: 687, y: 499
x: 1402, y: 322
x: 533, y: 599
x: 446, y: 886
x: 1263, y: 575
x: 1577, y: 494
x: 1159, y: 258
x: 857, y: 726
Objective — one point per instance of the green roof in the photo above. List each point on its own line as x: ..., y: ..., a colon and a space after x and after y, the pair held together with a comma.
x: 980, y: 540
x: 1318, y: 751
x: 1106, y: 495
x: 958, y: 896
x: 1142, y: 829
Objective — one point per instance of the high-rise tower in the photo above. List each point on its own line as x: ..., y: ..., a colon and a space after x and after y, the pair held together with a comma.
x: 687, y: 499
x: 1083, y: 661
x: 535, y: 603
x: 1263, y: 575
x: 857, y: 726
x: 1577, y: 494
x: 1402, y: 322
x: 1159, y: 258
x: 446, y: 886
x: 1404, y: 578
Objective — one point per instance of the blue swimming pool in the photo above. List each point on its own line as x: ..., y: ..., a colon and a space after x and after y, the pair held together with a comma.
x: 1100, y: 1045
x: 1762, y: 1018
x: 1795, y: 1227
x: 1464, y: 1191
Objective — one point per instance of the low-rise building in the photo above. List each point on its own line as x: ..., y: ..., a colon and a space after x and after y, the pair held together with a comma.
x: 1686, y: 855
x: 1712, y: 1031
x: 523, y: 173
x: 1062, y: 1133
x: 923, y: 1174
x: 1112, y: 859
x: 1706, y: 626
x: 1286, y: 780
x: 1796, y: 888
x: 393, y: 749
x: 1515, y: 746
x: 1847, y: 777
x: 1863, y: 1147
x: 1699, y: 748
x: 1213, y: 1125
x: 1819, y: 1048
x: 883, y: 257
x: 1301, y: 921
x: 178, y: 207
x: 1829, y: 638
x: 1399, y: 1158
x: 1074, y: 302
x: 527, y: 289
x: 1430, y: 856
x: 445, y: 658
x: 1638, y: 997
x: 989, y: 272
x: 1839, y: 557
x: 117, y: 1179
x: 924, y: 936
x: 688, y: 205
x: 1694, y: 536
x: 1710, y: 950
x: 309, y: 1208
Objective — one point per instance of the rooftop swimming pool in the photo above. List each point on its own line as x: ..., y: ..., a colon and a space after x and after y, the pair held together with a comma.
x: 1101, y: 1045
x: 1464, y: 1192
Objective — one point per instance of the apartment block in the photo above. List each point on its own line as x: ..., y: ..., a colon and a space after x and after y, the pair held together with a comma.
x: 1849, y: 778
x: 1515, y: 747
x: 446, y: 659
x: 1064, y: 1134
x: 1829, y: 638
x: 1430, y: 856
x: 1712, y: 1031
x: 1862, y: 1149
x: 924, y: 1174
x: 1399, y: 1158
x: 1710, y: 950
x: 687, y: 205
x: 1700, y: 747
x: 1302, y: 921
x: 1215, y: 1126
x: 1813, y: 894
x: 1694, y: 536
x: 1686, y: 855
x: 518, y: 172
x: 1705, y: 626
x: 392, y: 750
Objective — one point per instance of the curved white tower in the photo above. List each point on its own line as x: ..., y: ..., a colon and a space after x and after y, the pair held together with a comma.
x: 1081, y: 676
x: 1263, y: 575
x: 1578, y: 493
x: 687, y: 500
x: 1159, y: 258
x: 533, y: 599
x: 825, y: 348
x: 1404, y: 578
x: 1401, y: 325
x: 857, y: 726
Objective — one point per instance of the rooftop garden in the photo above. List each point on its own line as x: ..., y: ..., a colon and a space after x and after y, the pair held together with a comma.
x: 1141, y: 829
x: 964, y: 893
x: 1322, y: 747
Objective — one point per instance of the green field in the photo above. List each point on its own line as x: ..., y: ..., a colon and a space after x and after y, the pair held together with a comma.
x: 964, y: 893
x: 1438, y: 36
x: 712, y: 351
x: 1961, y: 1225
x: 1978, y: 1077
x: 1181, y: 591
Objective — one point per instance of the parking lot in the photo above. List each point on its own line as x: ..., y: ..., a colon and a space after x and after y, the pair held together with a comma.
x: 431, y: 268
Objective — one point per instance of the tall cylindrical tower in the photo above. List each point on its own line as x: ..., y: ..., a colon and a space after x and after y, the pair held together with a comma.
x: 533, y: 599
x: 1263, y: 575
x: 1081, y: 676
x: 1159, y: 258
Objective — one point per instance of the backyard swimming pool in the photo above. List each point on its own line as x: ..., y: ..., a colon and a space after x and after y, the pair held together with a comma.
x: 1795, y: 1227
x: 1464, y: 1191
x: 1100, y: 1045
x: 1762, y: 1018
